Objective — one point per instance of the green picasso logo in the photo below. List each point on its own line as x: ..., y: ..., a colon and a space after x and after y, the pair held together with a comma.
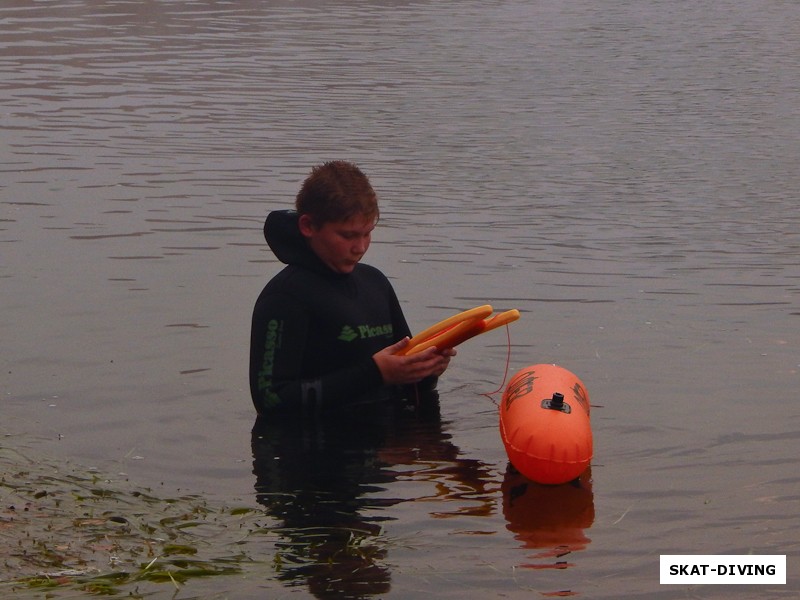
x: 271, y: 344
x: 348, y: 333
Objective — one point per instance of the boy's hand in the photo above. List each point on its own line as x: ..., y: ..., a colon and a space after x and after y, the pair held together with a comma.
x: 404, y: 370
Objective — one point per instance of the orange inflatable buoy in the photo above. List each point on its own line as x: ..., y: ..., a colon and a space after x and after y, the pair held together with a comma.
x: 544, y: 424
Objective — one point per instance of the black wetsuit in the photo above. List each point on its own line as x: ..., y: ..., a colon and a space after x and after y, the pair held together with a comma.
x: 314, y: 331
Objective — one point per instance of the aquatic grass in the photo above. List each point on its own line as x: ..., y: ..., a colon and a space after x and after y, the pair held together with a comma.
x: 70, y: 531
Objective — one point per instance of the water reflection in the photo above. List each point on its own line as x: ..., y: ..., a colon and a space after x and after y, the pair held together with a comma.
x: 329, y: 481
x: 549, y: 518
x: 332, y: 483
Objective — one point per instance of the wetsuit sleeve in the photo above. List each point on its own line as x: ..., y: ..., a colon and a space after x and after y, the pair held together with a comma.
x: 427, y: 385
x: 279, y: 336
x: 400, y: 325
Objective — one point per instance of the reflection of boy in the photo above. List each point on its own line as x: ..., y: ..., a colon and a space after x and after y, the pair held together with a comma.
x: 326, y: 329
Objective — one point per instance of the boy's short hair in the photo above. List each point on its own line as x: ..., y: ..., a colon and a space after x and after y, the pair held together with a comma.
x: 336, y: 191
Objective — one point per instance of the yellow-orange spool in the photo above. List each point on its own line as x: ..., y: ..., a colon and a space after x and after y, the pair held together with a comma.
x: 459, y: 328
x: 544, y: 424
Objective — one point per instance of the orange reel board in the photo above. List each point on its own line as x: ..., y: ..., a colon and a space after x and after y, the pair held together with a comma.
x: 459, y: 328
x: 544, y: 424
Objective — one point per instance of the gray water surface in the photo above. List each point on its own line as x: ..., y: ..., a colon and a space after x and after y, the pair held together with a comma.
x: 624, y: 173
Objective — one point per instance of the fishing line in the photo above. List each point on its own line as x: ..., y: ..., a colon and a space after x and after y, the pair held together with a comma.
x: 505, y: 373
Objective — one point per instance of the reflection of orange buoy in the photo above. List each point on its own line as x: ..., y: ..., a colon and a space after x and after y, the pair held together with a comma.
x: 551, y: 517
x: 544, y: 424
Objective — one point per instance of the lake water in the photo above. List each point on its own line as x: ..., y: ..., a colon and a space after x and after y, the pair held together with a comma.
x: 623, y: 172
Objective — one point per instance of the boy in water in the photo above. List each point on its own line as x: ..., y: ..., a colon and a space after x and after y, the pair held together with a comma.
x: 326, y: 330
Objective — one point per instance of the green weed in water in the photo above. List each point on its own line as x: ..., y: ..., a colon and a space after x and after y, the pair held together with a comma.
x: 65, y: 531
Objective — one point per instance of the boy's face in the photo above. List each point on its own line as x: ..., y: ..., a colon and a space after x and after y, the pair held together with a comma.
x: 339, y: 244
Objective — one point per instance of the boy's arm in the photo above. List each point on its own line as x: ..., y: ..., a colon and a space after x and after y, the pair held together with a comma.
x: 279, y: 336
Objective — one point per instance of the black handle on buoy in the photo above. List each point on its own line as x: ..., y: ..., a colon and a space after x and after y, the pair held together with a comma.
x: 557, y: 403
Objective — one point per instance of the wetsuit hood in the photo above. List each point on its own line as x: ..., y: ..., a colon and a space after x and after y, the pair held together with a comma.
x: 282, y: 232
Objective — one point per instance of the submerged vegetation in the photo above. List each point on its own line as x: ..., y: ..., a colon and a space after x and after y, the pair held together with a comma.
x: 71, y: 533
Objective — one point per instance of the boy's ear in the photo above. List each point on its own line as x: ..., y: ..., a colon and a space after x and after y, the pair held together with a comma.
x: 306, y: 225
